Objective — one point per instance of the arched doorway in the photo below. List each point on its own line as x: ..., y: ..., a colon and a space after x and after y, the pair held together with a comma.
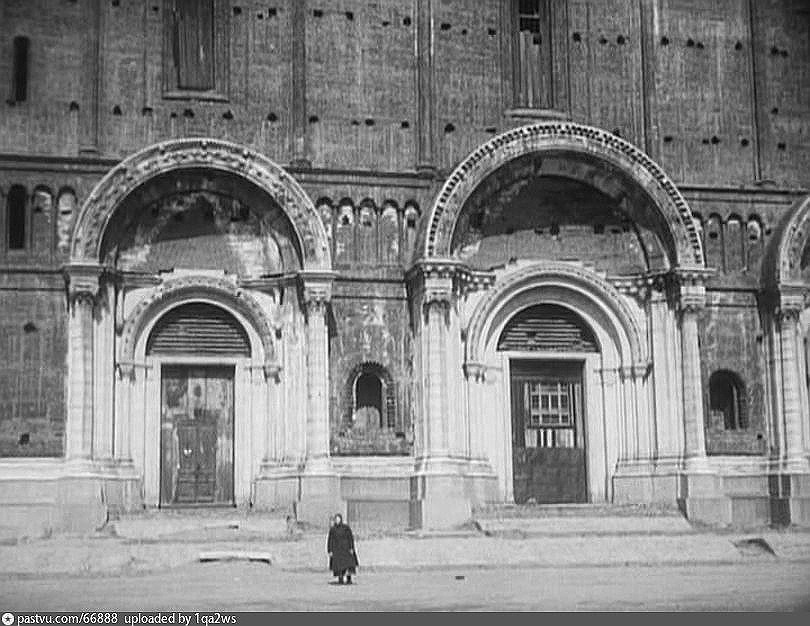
x: 547, y: 402
x: 197, y: 402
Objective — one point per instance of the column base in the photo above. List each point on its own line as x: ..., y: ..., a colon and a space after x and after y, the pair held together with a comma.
x: 755, y: 499
x: 277, y: 487
x: 445, y: 489
x: 319, y: 494
x: 645, y: 482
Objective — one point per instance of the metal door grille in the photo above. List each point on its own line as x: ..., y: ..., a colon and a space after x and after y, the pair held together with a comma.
x: 198, y: 329
x: 547, y: 327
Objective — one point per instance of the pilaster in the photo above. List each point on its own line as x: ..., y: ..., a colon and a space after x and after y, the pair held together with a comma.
x: 83, y: 283
x: 792, y: 452
x: 316, y: 294
x: 691, y: 299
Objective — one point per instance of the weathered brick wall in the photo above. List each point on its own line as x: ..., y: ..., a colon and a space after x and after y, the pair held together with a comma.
x: 731, y: 338
x: 736, y: 230
x: 371, y: 325
x: 33, y: 345
x: 716, y: 94
x: 361, y: 96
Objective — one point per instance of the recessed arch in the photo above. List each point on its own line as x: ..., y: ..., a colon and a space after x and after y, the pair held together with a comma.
x: 189, y: 289
x: 197, y: 154
x: 562, y: 284
x: 591, y: 145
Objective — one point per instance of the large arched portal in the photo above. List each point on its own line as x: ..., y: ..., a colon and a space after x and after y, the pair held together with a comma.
x: 571, y: 268
x: 198, y: 283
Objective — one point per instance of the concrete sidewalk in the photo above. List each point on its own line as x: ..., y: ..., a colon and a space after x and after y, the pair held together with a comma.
x: 111, y: 555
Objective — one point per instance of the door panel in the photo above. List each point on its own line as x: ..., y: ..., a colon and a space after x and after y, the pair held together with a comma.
x: 548, y: 443
x: 197, y: 436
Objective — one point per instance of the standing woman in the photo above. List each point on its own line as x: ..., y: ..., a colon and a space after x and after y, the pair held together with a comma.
x: 340, y: 546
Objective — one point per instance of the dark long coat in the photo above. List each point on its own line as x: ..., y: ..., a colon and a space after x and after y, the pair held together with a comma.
x: 340, y: 545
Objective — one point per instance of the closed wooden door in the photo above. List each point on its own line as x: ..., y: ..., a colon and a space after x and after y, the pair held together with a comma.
x: 197, y: 435
x: 548, y: 439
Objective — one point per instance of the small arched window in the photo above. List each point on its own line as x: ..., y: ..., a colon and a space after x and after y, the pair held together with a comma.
x: 727, y: 400
x: 368, y: 399
x: 17, y: 218
x: 19, y: 86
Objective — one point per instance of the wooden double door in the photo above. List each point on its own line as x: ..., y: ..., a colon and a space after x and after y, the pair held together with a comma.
x: 196, y: 436
x: 548, y: 435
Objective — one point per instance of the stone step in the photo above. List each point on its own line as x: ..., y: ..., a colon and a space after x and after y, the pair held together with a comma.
x: 524, y: 511
x: 590, y: 526
x: 203, y: 524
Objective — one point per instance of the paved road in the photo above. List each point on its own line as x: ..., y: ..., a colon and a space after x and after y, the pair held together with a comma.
x: 759, y: 585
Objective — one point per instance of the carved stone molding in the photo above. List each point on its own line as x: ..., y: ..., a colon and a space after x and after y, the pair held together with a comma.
x: 437, y: 229
x: 200, y: 153
x: 782, y: 264
x: 558, y: 275
x: 193, y: 287
x: 610, y: 376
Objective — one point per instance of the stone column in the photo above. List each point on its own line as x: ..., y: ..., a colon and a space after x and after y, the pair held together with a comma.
x: 83, y: 287
x: 316, y: 298
x: 476, y: 374
x: 104, y: 374
x: 320, y: 486
x: 692, y: 300
x: 792, y: 452
x: 439, y: 482
x: 123, y: 414
x: 436, y: 301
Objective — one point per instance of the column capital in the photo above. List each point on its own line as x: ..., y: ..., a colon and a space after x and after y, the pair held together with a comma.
x: 475, y: 371
x: 272, y: 370
x: 83, y: 281
x: 686, y: 288
x: 434, y: 283
x: 126, y: 370
x: 790, y: 304
x: 316, y: 290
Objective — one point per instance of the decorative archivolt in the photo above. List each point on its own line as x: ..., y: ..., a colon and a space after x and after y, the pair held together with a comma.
x: 437, y: 229
x: 196, y: 288
x: 783, y: 262
x: 199, y: 153
x: 587, y: 288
